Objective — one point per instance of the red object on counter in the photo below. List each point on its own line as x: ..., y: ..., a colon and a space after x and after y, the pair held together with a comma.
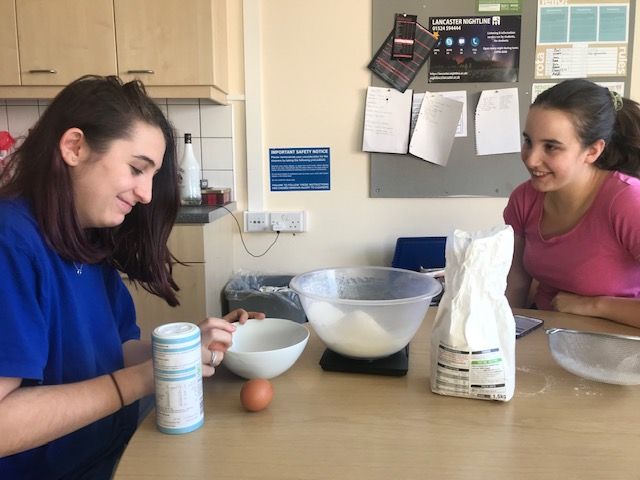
x: 216, y: 196
x: 6, y: 140
x: 6, y: 144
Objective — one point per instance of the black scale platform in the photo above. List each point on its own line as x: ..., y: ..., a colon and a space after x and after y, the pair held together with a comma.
x: 395, y: 365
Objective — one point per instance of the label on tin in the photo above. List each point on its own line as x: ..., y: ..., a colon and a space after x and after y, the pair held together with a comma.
x: 177, y: 369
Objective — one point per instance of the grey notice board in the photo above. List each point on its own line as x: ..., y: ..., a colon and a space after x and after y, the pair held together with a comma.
x: 466, y: 174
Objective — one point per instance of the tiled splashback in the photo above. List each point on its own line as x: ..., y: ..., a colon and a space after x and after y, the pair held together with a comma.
x: 211, y: 127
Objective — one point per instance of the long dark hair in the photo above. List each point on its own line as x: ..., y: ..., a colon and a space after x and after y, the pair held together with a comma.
x: 105, y: 109
x: 597, y: 114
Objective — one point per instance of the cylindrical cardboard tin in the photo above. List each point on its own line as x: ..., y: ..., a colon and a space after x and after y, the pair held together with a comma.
x: 177, y: 369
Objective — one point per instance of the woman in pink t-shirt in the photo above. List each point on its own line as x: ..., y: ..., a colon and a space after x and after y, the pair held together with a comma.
x: 577, y: 220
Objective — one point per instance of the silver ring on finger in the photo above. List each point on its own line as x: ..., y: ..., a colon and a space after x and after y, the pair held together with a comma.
x: 214, y: 355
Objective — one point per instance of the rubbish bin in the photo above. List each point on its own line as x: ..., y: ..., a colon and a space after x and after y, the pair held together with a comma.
x: 264, y: 293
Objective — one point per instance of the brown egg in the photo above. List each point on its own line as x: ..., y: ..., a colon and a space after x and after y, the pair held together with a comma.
x: 256, y: 394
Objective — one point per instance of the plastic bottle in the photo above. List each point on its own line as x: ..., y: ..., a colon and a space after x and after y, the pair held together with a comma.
x: 190, y: 175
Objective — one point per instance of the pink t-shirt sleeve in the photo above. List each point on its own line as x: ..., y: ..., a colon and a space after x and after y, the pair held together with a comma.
x: 625, y: 219
x: 519, y: 208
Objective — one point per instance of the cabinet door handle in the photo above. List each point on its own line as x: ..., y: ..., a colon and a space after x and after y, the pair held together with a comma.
x: 141, y: 71
x: 43, y: 70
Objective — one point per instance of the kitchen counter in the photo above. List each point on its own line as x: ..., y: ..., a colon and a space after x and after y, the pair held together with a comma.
x: 326, y: 425
x: 203, y: 213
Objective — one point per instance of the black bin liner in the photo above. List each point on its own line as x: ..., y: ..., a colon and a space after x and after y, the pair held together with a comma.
x: 264, y: 293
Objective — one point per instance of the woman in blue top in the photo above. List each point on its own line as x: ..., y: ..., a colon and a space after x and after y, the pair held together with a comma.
x: 76, y: 209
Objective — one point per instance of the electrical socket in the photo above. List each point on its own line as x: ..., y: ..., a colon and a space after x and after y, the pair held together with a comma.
x: 291, y: 222
x: 288, y: 221
x: 256, y: 222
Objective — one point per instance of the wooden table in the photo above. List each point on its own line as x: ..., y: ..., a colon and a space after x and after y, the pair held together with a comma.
x: 326, y: 425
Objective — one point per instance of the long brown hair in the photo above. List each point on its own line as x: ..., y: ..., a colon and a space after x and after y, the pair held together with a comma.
x: 598, y: 113
x: 105, y: 109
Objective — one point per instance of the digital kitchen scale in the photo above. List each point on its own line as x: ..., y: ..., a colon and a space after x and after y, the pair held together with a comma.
x: 395, y: 365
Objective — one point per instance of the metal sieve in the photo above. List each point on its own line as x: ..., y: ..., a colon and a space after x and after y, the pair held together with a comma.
x: 602, y: 357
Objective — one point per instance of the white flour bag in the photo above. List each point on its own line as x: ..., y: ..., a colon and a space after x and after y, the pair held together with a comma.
x: 473, y: 339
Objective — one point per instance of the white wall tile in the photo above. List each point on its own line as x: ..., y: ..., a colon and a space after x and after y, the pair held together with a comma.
x: 217, y: 153
x: 219, y: 178
x: 162, y: 104
x: 216, y: 120
x: 21, y: 101
x: 21, y: 119
x: 185, y: 119
x: 42, y: 106
x: 4, y: 125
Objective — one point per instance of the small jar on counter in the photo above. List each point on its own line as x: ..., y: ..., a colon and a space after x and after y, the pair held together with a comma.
x: 216, y: 196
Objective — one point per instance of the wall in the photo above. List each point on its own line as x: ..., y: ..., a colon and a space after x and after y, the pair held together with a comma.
x: 314, y: 79
x: 210, y: 125
x: 314, y: 82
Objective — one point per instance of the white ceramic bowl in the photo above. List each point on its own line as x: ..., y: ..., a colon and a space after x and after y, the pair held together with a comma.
x: 365, y: 312
x: 265, y: 348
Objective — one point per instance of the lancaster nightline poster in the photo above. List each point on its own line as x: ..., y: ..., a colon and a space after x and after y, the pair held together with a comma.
x: 475, y: 49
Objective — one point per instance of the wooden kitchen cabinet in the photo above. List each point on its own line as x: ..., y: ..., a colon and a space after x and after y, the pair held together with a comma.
x: 61, y: 40
x: 206, y: 249
x: 173, y: 42
x: 178, y: 48
x: 9, y: 63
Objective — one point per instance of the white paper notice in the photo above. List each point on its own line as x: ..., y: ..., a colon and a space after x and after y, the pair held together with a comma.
x: 498, y: 122
x: 386, y: 120
x: 435, y: 128
x: 460, y: 95
x: 415, y: 110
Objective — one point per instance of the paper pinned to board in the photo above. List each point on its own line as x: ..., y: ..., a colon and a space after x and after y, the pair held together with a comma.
x: 386, y: 120
x: 460, y: 95
x: 435, y: 128
x: 498, y: 122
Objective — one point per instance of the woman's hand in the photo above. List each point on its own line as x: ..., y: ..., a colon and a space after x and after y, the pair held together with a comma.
x: 618, y: 309
x: 571, y: 303
x: 217, y: 336
x: 240, y: 315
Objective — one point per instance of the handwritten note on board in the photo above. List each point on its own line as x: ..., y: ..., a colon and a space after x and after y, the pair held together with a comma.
x: 386, y: 120
x: 435, y: 129
x: 459, y: 95
x: 498, y: 122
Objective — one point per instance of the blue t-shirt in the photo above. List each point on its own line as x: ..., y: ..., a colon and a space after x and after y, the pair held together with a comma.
x: 60, y: 324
